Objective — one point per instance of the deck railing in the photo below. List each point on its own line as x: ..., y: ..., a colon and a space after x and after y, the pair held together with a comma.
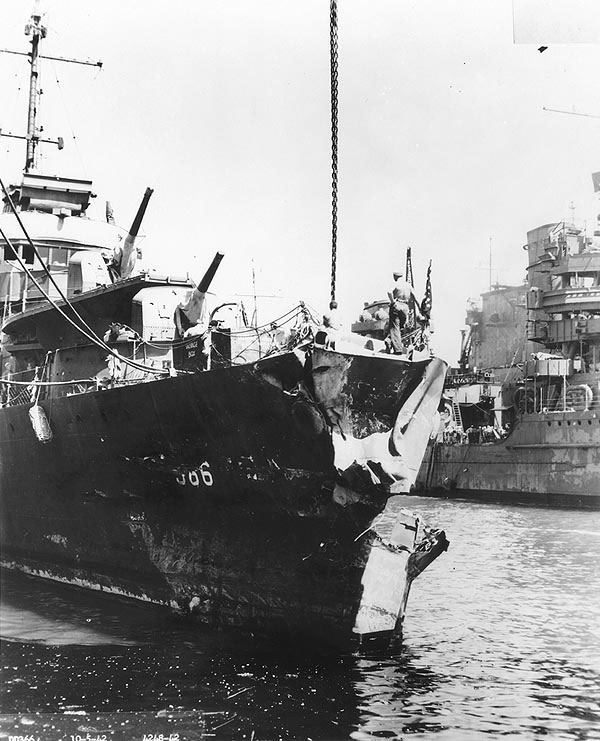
x: 566, y: 406
x: 21, y: 393
x: 18, y: 393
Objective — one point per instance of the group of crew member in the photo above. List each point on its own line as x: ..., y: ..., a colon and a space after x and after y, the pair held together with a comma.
x: 399, y: 296
x: 474, y: 435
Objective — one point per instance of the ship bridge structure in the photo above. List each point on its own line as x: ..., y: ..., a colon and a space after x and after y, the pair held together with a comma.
x: 564, y: 293
x: 54, y: 229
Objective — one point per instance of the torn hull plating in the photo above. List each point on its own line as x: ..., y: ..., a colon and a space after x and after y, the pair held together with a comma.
x: 246, y: 495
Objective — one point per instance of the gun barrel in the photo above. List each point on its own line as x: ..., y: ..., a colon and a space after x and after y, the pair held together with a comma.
x: 135, y: 227
x: 210, y: 273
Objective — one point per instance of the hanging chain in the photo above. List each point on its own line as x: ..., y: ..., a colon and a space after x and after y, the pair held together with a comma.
x: 333, y: 46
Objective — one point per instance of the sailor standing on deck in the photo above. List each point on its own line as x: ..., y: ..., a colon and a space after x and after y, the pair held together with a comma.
x: 331, y: 319
x: 399, y: 297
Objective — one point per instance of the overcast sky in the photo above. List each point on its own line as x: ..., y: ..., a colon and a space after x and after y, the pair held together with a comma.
x: 223, y: 108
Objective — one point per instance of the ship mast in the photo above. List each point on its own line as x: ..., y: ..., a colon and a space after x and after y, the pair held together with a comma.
x: 37, y: 31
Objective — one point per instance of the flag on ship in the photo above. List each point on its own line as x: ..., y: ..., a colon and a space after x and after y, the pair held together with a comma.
x: 427, y: 302
x: 410, y: 319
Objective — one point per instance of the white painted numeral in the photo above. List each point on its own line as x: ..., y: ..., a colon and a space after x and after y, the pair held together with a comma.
x: 207, y: 478
x: 194, y: 477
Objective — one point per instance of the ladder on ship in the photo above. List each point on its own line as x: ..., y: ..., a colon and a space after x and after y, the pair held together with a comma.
x: 456, y: 415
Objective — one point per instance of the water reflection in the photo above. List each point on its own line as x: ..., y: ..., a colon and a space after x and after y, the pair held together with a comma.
x: 502, y: 639
x: 558, y: 687
x: 396, y: 694
x: 37, y: 611
x: 67, y: 653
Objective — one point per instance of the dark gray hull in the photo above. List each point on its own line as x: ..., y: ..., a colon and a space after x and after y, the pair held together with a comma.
x: 217, y: 493
x: 549, y: 459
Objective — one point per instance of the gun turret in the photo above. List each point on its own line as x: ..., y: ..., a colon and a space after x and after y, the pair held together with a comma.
x: 192, y: 313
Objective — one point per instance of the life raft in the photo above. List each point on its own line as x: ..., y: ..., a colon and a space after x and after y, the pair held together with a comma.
x: 579, y: 397
x: 524, y: 400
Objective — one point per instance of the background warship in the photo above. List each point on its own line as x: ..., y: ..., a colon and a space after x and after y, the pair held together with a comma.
x: 522, y: 412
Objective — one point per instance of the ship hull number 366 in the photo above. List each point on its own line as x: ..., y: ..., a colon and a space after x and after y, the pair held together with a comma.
x: 201, y: 476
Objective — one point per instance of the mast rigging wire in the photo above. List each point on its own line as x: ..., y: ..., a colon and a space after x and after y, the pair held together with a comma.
x: 73, y: 135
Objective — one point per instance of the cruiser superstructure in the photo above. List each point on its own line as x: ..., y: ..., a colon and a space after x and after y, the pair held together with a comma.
x: 523, y: 412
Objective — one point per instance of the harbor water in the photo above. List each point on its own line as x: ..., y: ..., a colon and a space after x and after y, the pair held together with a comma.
x: 501, y: 640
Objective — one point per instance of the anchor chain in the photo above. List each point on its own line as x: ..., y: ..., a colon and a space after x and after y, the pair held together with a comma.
x: 390, y: 546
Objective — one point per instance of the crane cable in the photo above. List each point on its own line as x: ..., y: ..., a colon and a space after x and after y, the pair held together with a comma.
x: 333, y: 60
